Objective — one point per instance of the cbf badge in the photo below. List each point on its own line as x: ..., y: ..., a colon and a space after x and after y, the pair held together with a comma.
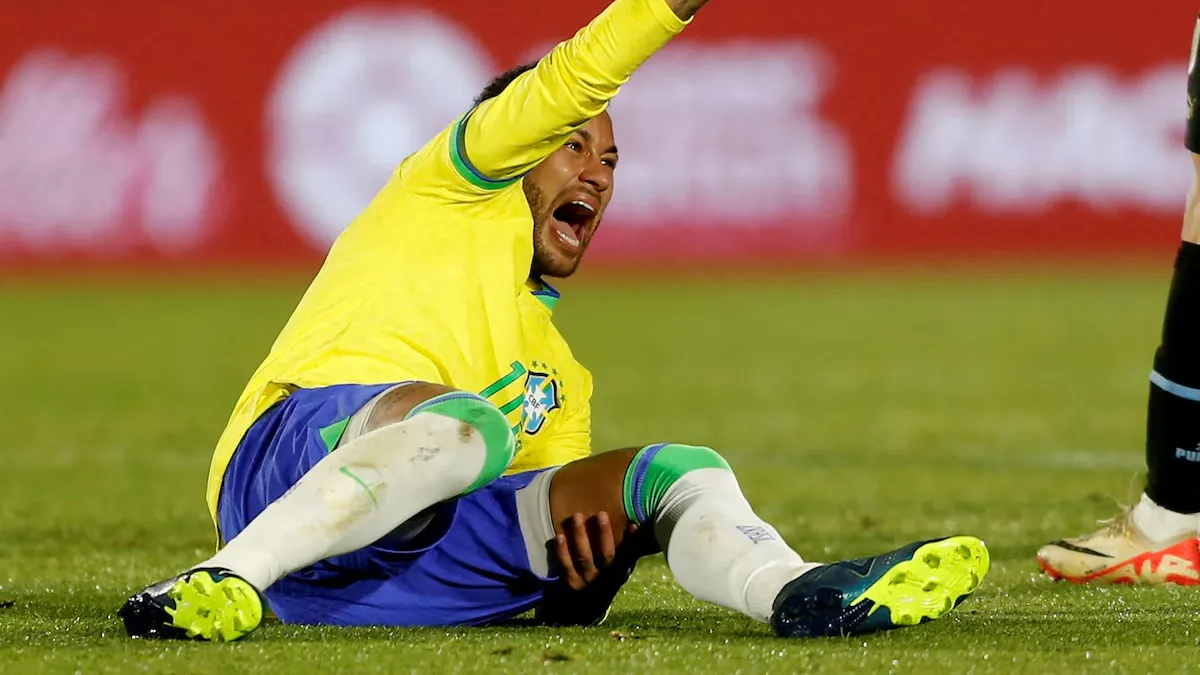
x: 542, y: 397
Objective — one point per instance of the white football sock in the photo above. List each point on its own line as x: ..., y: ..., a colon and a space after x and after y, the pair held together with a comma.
x: 1160, y: 524
x: 356, y: 495
x: 718, y: 549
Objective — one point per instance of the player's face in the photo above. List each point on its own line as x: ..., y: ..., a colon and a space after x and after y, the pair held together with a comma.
x: 568, y: 193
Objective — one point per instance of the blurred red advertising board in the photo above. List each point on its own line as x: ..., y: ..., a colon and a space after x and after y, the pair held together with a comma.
x: 199, y: 132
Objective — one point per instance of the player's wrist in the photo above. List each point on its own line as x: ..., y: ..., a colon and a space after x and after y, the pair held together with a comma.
x: 680, y: 11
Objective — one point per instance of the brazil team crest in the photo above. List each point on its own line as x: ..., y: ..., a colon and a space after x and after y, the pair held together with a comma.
x: 541, y: 398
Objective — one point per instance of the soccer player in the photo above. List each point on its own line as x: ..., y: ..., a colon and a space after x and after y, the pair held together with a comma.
x: 393, y: 459
x: 1155, y: 542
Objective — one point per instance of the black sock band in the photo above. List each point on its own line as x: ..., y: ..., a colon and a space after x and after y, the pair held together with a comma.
x: 1173, y: 420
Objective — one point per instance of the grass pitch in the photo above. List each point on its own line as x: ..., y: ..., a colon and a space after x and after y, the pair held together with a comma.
x: 859, y: 414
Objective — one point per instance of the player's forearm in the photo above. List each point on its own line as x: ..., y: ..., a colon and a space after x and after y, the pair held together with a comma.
x: 510, y: 134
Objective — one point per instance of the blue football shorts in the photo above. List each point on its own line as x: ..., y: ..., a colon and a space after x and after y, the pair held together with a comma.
x: 477, y: 559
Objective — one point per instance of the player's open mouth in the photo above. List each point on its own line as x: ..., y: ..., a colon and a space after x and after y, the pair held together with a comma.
x: 571, y: 221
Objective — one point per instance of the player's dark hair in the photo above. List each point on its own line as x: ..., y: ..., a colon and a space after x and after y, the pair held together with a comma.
x: 501, y: 82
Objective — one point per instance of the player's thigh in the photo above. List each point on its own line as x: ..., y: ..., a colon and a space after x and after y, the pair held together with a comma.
x: 392, y: 406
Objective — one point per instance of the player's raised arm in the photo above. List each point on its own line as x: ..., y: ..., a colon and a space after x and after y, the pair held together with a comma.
x: 506, y: 136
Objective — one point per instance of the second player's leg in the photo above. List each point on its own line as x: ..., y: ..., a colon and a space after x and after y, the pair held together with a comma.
x: 720, y: 551
x: 1155, y: 542
x: 1173, y: 419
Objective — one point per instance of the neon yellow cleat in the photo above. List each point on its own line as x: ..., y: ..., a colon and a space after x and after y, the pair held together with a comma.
x: 909, y: 586
x: 201, y: 604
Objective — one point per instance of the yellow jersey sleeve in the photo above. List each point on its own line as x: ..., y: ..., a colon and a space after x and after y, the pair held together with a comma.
x: 493, y: 145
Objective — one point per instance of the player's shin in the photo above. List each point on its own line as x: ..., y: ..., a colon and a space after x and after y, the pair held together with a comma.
x: 716, y: 546
x: 366, y: 488
x: 1173, y: 419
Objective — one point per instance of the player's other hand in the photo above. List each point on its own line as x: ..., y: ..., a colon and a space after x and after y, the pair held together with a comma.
x: 594, y: 567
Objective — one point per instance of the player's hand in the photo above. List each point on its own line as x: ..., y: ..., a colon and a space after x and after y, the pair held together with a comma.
x: 584, y: 555
x: 594, y: 569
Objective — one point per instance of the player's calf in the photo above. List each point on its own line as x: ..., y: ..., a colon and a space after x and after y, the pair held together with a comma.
x: 717, y: 547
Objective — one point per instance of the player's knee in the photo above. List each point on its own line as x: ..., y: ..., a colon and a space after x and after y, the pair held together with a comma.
x: 477, y: 420
x: 655, y: 468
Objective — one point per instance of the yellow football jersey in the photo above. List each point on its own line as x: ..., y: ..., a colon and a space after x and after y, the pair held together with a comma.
x: 431, y: 281
x: 555, y: 415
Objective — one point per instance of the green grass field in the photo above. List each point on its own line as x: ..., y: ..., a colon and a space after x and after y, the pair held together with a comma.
x: 859, y: 413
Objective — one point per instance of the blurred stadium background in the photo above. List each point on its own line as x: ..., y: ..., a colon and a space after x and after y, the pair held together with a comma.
x: 903, y: 262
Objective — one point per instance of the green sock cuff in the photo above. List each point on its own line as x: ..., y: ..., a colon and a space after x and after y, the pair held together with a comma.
x: 499, y: 442
x: 655, y: 468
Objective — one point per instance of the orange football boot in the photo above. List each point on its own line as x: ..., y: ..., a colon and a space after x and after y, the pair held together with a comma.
x: 1120, y: 553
